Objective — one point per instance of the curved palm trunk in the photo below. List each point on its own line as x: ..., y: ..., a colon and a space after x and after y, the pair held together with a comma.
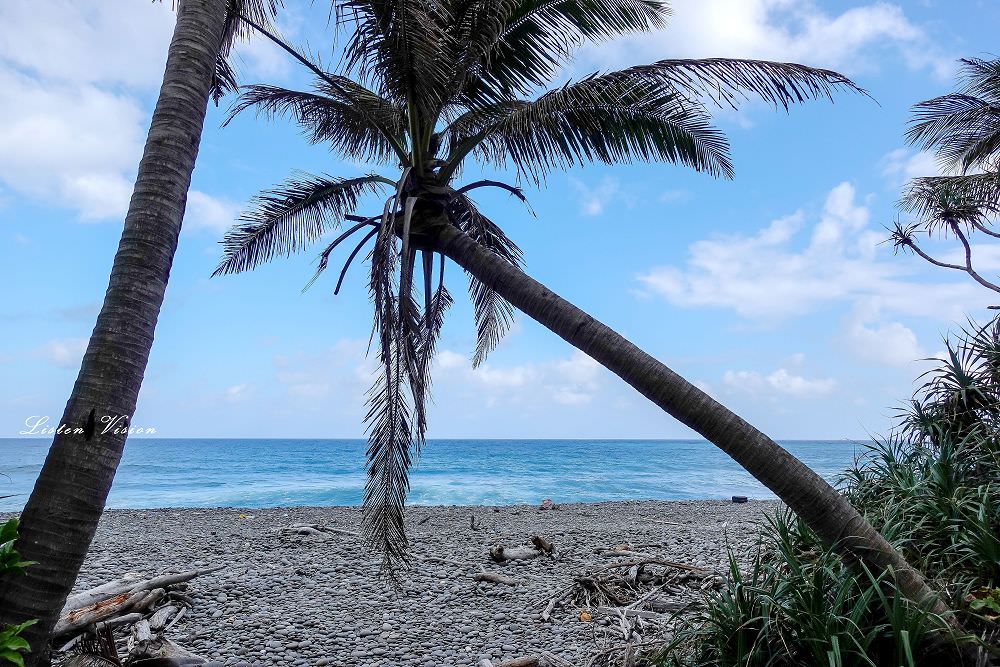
x: 825, y: 510
x: 61, y: 516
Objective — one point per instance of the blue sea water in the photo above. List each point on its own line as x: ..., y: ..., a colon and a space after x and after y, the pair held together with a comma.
x: 263, y: 473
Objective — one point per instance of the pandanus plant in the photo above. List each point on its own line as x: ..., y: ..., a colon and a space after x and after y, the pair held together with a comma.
x: 423, y: 87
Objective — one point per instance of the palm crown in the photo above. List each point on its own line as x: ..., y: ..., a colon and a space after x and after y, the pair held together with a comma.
x: 422, y: 87
x: 963, y: 130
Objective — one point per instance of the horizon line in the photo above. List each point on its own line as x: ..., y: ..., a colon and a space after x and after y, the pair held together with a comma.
x: 452, y: 439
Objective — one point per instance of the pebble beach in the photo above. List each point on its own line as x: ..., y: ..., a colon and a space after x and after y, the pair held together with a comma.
x: 283, y: 599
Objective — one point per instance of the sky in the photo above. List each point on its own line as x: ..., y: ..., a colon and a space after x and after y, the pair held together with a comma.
x: 773, y: 291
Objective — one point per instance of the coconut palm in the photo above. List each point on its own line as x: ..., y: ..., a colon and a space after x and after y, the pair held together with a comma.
x: 422, y: 87
x: 60, y: 518
x: 963, y: 131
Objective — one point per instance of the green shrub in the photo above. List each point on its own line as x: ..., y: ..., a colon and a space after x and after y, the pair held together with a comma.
x: 12, y: 645
x: 932, y: 488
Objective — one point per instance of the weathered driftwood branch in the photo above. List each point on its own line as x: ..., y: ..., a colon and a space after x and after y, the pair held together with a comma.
x: 654, y: 561
x: 161, y: 616
x: 502, y: 554
x: 495, y: 578
x: 539, y: 546
x: 118, y: 598
x: 151, y: 607
x: 147, y: 648
x: 102, y: 592
x: 641, y: 613
x: 118, y: 621
x: 556, y: 599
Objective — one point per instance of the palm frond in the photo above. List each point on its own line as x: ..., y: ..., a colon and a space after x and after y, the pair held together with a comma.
x: 730, y: 81
x: 237, y: 29
x: 223, y: 80
x: 389, y: 460
x: 494, y: 315
x: 397, y: 44
x: 324, y: 257
x: 238, y: 15
x: 963, y: 128
x: 435, y: 307
x: 982, y: 78
x: 350, y: 258
x: 356, y: 122
x: 514, y: 46
x: 620, y: 117
x: 388, y: 418
x: 424, y: 333
x: 290, y: 217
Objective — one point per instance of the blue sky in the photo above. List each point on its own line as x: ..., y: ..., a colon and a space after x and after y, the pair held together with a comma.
x: 770, y: 291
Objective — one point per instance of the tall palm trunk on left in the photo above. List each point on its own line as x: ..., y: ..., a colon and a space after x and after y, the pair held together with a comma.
x: 61, y: 516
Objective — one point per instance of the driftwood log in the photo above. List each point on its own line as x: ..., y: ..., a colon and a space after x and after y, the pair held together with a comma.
x: 147, y: 607
x: 539, y: 546
x: 495, y: 578
x: 117, y: 598
x: 151, y: 649
x: 315, y: 531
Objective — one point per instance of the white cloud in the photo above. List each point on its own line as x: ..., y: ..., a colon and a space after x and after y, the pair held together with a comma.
x: 888, y: 343
x: 83, y: 42
x: 781, y: 381
x: 787, y: 30
x: 69, y: 142
x: 65, y: 352
x: 72, y: 123
x: 674, y: 196
x: 341, y: 371
x: 238, y: 393
x: 790, y: 268
x: 571, y: 381
x: 903, y: 164
x: 891, y: 343
x: 593, y: 200
x: 207, y: 212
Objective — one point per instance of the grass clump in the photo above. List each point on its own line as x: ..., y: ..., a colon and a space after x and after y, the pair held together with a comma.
x: 932, y: 488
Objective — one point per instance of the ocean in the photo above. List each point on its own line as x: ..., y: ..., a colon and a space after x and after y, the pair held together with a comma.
x: 159, y: 472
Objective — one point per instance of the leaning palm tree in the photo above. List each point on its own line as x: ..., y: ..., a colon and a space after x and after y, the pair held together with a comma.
x: 963, y: 131
x: 421, y: 88
x: 61, y: 515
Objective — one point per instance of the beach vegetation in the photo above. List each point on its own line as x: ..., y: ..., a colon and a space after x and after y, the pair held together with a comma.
x: 12, y: 644
x: 932, y: 487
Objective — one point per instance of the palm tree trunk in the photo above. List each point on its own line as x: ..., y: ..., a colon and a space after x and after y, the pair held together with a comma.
x: 61, y: 515
x: 825, y: 510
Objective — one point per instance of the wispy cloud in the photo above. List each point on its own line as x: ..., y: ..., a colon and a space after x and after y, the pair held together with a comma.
x: 63, y: 352
x: 571, y: 381
x: 797, y: 265
x: 73, y: 80
x: 787, y: 30
x: 780, y: 381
